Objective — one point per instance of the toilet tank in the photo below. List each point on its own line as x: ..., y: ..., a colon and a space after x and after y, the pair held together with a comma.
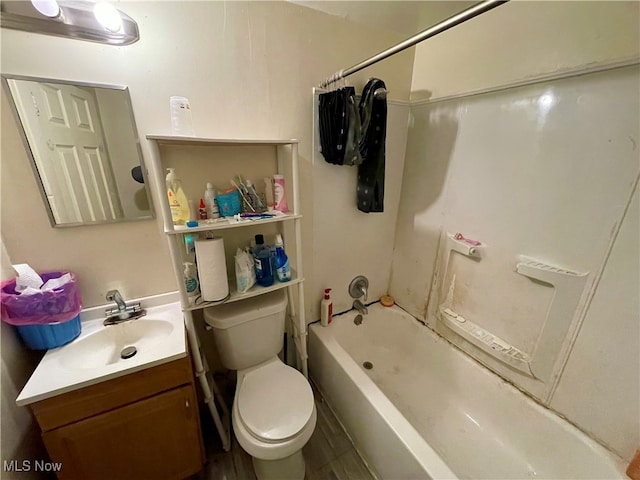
x: 248, y: 332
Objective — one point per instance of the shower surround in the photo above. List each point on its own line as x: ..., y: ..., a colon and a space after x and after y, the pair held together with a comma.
x: 543, y: 177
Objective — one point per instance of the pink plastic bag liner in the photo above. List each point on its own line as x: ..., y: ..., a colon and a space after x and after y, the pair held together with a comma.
x: 59, y: 305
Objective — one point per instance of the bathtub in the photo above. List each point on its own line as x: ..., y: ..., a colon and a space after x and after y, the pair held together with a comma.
x: 426, y: 410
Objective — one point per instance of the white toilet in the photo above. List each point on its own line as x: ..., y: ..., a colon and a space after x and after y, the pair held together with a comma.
x: 273, y: 411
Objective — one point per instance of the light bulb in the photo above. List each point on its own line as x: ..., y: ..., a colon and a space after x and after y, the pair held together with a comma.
x: 108, y: 16
x: 48, y: 8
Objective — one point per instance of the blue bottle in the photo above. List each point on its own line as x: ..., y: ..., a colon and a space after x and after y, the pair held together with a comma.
x: 262, y: 262
x: 283, y: 270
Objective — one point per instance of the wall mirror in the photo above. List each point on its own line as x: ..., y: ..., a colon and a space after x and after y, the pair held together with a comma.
x: 83, y: 145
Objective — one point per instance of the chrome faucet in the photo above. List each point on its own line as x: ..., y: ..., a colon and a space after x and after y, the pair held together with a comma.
x: 358, y: 288
x: 363, y: 289
x: 122, y: 312
x: 359, y: 306
x: 114, y: 296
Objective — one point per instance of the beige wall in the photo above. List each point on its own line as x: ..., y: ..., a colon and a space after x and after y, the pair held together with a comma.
x: 351, y: 242
x: 248, y: 69
x: 521, y: 40
x: 20, y: 438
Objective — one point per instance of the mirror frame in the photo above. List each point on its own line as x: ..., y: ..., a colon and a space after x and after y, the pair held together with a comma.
x: 19, y: 124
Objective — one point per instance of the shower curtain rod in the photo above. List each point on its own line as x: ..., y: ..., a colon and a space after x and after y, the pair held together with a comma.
x: 450, y: 22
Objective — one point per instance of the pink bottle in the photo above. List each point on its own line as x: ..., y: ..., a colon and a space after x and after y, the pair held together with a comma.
x: 279, y: 194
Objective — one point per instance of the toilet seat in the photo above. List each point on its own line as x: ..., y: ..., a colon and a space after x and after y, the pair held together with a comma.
x: 274, y: 402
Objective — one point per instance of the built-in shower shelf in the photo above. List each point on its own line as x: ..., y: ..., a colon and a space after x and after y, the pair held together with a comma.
x: 568, y: 285
x: 544, y: 272
x: 485, y: 340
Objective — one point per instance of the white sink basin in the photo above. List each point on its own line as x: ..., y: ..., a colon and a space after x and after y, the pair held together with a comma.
x: 95, y: 356
x: 104, y: 347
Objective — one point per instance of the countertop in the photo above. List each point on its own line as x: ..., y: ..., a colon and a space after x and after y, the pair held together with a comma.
x: 81, y: 362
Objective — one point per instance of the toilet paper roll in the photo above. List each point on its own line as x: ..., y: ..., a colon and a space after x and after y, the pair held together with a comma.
x: 212, y: 269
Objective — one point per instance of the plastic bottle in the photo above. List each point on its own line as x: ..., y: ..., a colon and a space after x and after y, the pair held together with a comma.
x: 191, y: 282
x: 279, y: 194
x: 268, y: 192
x: 202, y: 210
x: 262, y: 262
x: 283, y: 271
x: 181, y: 121
x: 326, y: 308
x: 178, y: 202
x: 193, y: 212
x: 190, y: 243
x: 210, y: 202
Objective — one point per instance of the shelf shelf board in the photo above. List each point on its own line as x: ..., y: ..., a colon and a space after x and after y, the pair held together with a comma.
x: 253, y: 292
x: 224, y: 224
x: 180, y: 140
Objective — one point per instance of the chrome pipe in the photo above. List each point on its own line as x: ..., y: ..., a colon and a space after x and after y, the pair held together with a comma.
x: 450, y: 22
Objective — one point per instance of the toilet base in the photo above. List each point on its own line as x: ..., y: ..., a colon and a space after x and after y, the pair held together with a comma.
x: 288, y: 468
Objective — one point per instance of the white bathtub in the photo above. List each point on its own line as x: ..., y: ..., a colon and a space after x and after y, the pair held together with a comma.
x: 426, y: 410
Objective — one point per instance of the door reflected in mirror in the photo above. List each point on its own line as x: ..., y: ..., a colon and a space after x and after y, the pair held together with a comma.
x: 83, y: 144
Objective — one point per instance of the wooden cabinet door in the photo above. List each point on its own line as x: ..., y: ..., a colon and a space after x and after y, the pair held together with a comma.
x: 156, y: 438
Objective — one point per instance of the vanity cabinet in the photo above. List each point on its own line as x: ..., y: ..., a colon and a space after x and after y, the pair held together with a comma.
x: 196, y: 161
x: 143, y: 425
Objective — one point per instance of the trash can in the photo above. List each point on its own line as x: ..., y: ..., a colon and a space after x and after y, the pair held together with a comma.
x: 46, y: 319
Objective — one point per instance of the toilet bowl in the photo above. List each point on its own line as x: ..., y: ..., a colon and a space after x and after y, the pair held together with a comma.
x: 273, y: 412
x: 273, y: 417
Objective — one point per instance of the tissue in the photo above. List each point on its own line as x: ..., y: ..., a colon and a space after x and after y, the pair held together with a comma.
x: 28, y: 281
x: 56, y: 283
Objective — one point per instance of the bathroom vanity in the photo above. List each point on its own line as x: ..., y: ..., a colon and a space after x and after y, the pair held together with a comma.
x: 103, y: 416
x: 142, y: 425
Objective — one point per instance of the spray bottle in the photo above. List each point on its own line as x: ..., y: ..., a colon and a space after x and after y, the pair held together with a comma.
x: 283, y: 271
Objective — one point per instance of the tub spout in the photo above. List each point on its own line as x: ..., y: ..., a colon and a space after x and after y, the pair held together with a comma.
x: 359, y: 306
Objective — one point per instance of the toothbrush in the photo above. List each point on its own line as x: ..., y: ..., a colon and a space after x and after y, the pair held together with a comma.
x: 242, y: 195
x: 257, y: 215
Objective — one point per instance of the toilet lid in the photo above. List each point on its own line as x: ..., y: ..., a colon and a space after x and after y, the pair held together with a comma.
x: 275, y: 402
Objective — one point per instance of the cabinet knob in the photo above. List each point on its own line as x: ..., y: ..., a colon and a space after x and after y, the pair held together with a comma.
x: 187, y: 408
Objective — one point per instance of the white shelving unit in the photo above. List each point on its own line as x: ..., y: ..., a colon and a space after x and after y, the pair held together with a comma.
x: 286, y: 154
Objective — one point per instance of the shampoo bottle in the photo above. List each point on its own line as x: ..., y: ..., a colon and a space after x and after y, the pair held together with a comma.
x: 210, y: 202
x: 326, y: 308
x: 283, y: 271
x: 178, y: 202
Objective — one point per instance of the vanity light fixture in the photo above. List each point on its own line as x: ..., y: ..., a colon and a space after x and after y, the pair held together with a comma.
x: 48, y: 8
x: 80, y: 19
x: 108, y: 16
